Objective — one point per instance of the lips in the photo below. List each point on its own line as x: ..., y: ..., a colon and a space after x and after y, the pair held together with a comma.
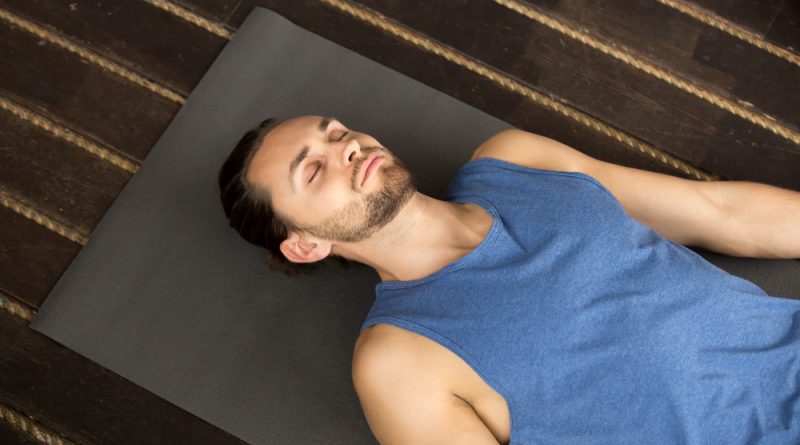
x: 369, y: 166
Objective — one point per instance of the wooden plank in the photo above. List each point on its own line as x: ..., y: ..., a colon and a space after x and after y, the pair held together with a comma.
x: 451, y: 79
x: 691, y: 48
x: 90, y: 404
x: 754, y: 14
x: 61, y: 179
x: 770, y: 83
x: 785, y: 29
x: 32, y: 258
x: 650, y: 28
x: 86, y: 98
x: 618, y: 94
x: 134, y: 33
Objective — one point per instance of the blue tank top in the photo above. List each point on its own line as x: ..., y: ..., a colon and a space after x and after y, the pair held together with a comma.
x: 595, y: 328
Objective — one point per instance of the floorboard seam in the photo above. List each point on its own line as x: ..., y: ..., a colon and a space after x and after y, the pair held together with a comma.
x: 66, y: 134
x: 192, y: 17
x: 628, y: 57
x: 32, y: 213
x: 709, y: 18
x: 90, y: 56
x: 16, y: 308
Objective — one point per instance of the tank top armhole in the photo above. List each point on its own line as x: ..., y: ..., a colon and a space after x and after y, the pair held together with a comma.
x: 460, y: 352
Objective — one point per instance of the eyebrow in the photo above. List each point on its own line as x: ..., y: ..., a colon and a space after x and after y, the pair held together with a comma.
x: 322, y: 127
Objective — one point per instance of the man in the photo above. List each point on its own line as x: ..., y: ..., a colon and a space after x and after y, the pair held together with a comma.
x: 546, y: 298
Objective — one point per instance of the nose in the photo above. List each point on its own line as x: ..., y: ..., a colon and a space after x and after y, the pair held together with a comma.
x: 351, y: 151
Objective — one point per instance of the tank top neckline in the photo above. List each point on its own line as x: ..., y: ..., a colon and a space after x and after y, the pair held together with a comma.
x: 491, y: 235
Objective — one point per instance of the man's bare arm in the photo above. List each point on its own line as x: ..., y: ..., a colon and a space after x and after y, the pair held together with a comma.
x: 732, y: 217
x: 765, y: 219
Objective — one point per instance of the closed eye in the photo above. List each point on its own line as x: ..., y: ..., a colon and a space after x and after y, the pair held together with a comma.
x: 315, y: 172
x: 345, y: 133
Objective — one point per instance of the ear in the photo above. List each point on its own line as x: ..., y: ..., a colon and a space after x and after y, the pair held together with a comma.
x: 303, y: 249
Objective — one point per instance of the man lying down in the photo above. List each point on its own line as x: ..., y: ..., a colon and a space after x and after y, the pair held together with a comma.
x: 546, y: 298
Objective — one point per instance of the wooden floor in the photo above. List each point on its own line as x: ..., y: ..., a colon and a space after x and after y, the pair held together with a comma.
x: 708, y: 89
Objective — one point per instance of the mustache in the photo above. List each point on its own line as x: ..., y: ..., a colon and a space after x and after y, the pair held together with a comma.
x: 366, y: 151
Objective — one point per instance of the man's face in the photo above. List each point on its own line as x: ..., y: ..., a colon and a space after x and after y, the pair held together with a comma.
x: 314, y: 167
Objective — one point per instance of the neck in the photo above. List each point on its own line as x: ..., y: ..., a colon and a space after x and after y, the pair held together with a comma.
x: 426, y: 235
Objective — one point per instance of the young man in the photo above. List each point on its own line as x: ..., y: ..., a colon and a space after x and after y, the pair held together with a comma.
x: 548, y: 297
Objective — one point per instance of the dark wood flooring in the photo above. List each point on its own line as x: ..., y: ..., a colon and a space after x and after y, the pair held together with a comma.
x: 705, y: 90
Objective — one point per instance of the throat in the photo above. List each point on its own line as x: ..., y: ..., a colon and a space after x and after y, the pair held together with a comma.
x: 471, y: 227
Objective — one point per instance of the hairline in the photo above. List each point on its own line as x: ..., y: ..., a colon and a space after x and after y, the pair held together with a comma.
x: 261, y: 191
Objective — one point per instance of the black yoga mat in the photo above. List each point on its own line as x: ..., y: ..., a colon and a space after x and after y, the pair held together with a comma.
x: 168, y: 296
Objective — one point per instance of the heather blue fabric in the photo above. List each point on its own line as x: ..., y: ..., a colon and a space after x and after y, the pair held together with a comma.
x: 596, y: 329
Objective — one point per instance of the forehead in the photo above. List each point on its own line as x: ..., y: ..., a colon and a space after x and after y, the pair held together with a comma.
x: 278, y: 149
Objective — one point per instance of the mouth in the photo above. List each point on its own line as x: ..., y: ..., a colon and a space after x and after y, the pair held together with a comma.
x: 369, y: 165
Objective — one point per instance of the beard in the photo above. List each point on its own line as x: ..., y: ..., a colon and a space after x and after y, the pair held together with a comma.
x: 360, y: 219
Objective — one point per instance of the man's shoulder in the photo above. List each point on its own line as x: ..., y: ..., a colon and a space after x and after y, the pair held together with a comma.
x: 376, y: 340
x: 385, y: 342
x: 528, y: 149
x: 384, y: 351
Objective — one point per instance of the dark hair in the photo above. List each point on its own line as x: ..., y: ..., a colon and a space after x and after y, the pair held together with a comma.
x: 249, y: 206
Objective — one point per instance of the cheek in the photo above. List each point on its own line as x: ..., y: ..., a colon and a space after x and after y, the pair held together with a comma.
x: 338, y: 184
x: 331, y: 194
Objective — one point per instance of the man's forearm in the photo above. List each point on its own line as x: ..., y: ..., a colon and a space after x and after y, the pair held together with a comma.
x: 760, y: 220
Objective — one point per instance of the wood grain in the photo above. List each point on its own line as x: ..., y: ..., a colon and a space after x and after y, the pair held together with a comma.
x: 32, y: 258
x: 690, y: 48
x: 785, y: 29
x: 63, y: 180
x: 94, y: 102
x: 754, y: 14
x: 157, y: 44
